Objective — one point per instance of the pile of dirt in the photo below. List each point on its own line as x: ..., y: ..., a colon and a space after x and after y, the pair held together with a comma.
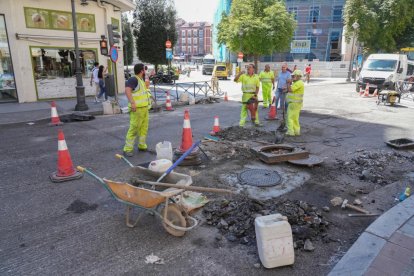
x: 235, y: 219
x: 375, y: 166
x: 236, y: 133
x: 207, y: 100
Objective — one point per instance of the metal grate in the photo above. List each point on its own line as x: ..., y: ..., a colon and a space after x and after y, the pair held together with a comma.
x: 259, y: 178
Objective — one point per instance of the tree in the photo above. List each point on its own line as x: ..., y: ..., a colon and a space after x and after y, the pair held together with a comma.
x: 128, y: 45
x: 257, y: 27
x: 151, y: 21
x: 382, y: 24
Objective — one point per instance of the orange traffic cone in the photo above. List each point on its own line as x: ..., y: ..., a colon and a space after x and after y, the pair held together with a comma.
x: 216, y: 126
x: 65, y: 171
x: 361, y: 92
x: 366, y: 93
x: 168, y: 105
x: 272, y: 112
x: 226, y: 99
x: 187, y: 139
x: 375, y: 93
x: 55, y: 121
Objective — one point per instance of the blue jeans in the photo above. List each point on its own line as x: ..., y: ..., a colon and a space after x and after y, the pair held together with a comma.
x: 103, y: 90
x: 280, y: 98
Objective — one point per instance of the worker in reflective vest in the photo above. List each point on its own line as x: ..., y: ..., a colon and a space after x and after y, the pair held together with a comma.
x: 138, y: 96
x: 267, y: 78
x: 294, y: 99
x: 250, y: 88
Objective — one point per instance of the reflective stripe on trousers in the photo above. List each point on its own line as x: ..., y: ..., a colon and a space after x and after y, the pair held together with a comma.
x: 138, y: 127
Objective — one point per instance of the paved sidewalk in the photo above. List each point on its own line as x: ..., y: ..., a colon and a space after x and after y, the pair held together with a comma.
x: 385, y: 248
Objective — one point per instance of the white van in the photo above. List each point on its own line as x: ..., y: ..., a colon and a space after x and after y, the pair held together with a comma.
x: 384, y: 70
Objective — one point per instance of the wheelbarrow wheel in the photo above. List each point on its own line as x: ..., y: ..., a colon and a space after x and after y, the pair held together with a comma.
x: 175, y: 217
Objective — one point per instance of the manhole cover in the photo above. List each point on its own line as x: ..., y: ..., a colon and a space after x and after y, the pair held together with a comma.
x: 259, y: 178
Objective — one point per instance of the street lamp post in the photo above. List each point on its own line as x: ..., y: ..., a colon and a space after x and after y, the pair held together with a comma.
x: 167, y: 27
x: 124, y: 39
x: 240, y: 34
x: 355, y: 26
x: 80, y: 89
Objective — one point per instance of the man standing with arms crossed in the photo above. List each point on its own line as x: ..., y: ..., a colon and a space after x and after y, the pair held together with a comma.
x: 282, y: 82
x: 250, y: 88
x: 138, y: 96
x: 295, y: 102
x: 267, y: 78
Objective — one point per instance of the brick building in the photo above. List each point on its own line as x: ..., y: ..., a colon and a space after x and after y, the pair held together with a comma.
x: 194, y: 40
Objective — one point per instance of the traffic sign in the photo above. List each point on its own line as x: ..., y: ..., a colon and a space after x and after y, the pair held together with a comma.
x: 114, y: 53
x: 168, y: 53
x: 168, y: 44
x: 240, y: 55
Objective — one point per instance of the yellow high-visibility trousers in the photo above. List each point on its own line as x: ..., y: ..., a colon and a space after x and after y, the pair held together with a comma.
x: 267, y: 94
x: 138, y: 127
x: 244, y: 111
x: 293, y: 112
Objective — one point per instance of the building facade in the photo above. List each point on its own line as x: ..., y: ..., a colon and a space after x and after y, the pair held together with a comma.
x: 318, y: 35
x: 37, y: 57
x: 194, y: 40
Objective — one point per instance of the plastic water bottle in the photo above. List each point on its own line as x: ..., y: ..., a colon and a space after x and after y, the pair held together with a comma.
x: 405, y: 194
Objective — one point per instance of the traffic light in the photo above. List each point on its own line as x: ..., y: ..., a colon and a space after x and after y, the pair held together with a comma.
x: 103, y: 43
x: 113, y: 35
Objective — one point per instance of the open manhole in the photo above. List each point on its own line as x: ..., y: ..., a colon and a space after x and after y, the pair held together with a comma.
x: 259, y: 178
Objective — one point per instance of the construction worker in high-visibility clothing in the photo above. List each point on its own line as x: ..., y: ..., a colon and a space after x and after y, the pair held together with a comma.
x: 138, y: 95
x: 294, y: 99
x: 267, y: 78
x: 250, y: 88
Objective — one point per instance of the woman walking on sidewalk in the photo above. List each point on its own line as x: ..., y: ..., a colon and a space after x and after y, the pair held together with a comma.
x: 101, y: 74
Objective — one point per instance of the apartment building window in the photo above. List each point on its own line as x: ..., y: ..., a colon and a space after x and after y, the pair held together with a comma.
x: 183, y: 33
x: 188, y: 41
x: 194, y: 40
x: 335, y: 40
x: 183, y: 41
x: 313, y: 39
x: 314, y: 14
x: 337, y: 14
x: 195, y: 33
x: 183, y: 48
x: 195, y: 50
x: 294, y: 11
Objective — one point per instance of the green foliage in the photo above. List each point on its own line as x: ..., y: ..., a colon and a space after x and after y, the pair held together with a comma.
x: 383, y: 25
x: 257, y: 27
x: 128, y: 45
x: 149, y: 29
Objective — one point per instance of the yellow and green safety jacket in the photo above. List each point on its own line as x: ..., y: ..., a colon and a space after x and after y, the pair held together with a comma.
x: 249, y: 83
x: 141, y: 94
x: 296, y: 96
x: 266, y: 77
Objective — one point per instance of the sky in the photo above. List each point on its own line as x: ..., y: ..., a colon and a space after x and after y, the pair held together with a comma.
x: 196, y: 10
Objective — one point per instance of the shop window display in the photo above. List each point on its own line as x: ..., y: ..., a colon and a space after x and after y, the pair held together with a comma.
x: 54, y: 71
x: 7, y: 83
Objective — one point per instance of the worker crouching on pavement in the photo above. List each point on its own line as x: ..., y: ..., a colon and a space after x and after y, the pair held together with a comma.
x: 138, y: 96
x: 294, y: 99
x: 267, y: 78
x: 250, y: 88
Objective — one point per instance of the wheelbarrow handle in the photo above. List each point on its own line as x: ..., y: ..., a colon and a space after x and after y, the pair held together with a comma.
x: 84, y: 170
x: 119, y: 156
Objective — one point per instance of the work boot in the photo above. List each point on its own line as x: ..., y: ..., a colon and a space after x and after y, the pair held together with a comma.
x: 142, y: 147
x: 258, y: 124
x: 128, y: 153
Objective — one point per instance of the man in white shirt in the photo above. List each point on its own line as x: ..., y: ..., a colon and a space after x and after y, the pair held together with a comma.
x: 95, y: 80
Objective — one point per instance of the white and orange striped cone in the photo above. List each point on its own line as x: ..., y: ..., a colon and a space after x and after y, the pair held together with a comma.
x: 187, y: 139
x: 361, y: 92
x: 272, y: 115
x: 55, y: 121
x: 226, y: 98
x: 216, y: 126
x: 168, y: 105
x: 366, y: 92
x: 375, y: 93
x: 65, y: 170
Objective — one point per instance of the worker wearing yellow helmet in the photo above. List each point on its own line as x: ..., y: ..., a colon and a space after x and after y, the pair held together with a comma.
x: 294, y: 99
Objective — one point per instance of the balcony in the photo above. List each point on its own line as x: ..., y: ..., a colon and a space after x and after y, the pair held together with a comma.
x: 123, y: 5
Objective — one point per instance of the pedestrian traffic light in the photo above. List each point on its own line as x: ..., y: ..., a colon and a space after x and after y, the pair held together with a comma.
x: 103, y: 43
x: 113, y: 35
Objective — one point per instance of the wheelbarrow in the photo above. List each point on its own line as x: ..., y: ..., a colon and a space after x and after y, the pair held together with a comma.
x: 160, y: 203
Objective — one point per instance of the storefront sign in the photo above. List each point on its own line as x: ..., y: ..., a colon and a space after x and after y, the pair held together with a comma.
x: 58, y: 20
x: 114, y: 53
x: 300, y: 46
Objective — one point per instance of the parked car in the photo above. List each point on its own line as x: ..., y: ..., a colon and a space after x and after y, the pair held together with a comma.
x: 220, y: 71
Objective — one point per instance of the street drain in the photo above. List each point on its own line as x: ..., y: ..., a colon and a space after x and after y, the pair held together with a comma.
x: 259, y: 178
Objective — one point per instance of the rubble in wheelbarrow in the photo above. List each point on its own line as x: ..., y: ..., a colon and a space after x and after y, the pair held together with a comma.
x: 235, y: 219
